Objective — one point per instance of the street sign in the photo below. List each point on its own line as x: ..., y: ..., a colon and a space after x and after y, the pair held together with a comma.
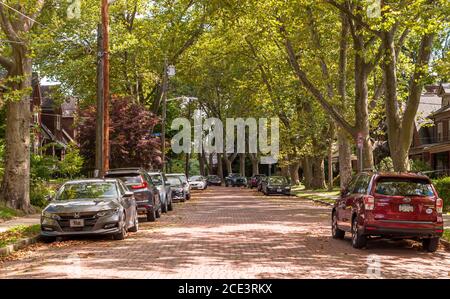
x: 171, y: 71
x: 360, y: 140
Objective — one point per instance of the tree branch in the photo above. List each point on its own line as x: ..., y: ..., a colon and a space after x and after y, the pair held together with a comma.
x: 312, y: 88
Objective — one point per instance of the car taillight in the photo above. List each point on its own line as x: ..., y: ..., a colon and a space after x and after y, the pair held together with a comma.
x: 141, y: 186
x: 439, y: 205
x: 369, y: 202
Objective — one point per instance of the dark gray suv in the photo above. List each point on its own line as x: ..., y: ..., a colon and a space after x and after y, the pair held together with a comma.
x: 90, y: 207
x: 146, y: 194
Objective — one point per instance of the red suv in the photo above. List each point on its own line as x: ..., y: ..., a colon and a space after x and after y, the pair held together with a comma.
x: 389, y: 205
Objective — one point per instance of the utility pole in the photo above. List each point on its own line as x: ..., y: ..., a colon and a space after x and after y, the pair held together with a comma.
x: 105, y: 39
x: 100, y: 108
x: 164, y: 111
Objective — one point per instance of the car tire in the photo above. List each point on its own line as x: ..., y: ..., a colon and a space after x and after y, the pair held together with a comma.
x: 47, y: 239
x: 135, y: 227
x: 158, y: 212
x: 336, y: 233
x: 226, y: 184
x: 151, y: 215
x: 430, y: 244
x: 358, y: 240
x: 122, y: 234
x: 170, y: 206
x: 165, y: 207
x: 188, y: 196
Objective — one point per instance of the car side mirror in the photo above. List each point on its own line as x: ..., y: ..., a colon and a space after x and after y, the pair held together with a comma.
x: 128, y: 194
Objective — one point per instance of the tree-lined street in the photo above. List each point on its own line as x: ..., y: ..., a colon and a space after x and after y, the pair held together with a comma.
x: 228, y: 233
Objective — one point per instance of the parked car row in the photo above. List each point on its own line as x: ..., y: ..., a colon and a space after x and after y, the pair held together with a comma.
x: 112, y: 205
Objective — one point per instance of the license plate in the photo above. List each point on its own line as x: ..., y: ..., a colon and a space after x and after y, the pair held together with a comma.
x: 279, y: 190
x: 76, y: 223
x: 406, y: 208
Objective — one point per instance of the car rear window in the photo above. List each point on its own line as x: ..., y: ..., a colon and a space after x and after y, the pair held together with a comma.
x: 156, y: 179
x: 403, y: 187
x: 128, y: 179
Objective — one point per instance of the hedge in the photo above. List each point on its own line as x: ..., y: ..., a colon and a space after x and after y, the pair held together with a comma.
x: 442, y: 186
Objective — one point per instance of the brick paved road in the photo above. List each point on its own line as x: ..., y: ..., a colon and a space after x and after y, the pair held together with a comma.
x: 228, y: 233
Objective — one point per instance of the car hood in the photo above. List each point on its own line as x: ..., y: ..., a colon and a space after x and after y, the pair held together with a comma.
x: 81, y: 206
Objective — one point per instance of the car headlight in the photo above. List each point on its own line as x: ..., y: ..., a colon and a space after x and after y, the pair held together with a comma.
x: 46, y: 214
x: 107, y: 212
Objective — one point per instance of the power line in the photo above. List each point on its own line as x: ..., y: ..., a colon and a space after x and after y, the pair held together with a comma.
x: 20, y: 13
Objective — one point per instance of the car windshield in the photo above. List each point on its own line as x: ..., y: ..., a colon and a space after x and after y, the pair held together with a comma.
x: 404, y: 187
x: 213, y: 177
x: 174, y: 181
x: 196, y: 178
x: 277, y: 180
x: 182, y: 177
x: 156, y: 179
x: 87, y: 191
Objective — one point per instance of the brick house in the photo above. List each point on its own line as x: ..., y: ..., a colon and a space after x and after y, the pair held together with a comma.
x: 53, y: 120
x: 431, y: 142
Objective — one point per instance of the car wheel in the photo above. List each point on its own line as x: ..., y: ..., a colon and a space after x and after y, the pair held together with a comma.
x: 358, y: 239
x: 226, y: 184
x: 165, y: 207
x: 170, y: 206
x: 335, y: 231
x: 135, y: 227
x: 47, y: 239
x: 122, y: 234
x: 188, y: 196
x: 158, y: 211
x: 430, y: 244
x: 151, y: 215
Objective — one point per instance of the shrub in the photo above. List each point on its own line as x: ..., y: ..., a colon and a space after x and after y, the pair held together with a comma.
x: 72, y: 164
x: 442, y: 186
x: 39, y: 190
x: 385, y: 165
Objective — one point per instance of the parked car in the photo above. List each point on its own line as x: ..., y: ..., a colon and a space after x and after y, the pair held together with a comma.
x: 184, y: 181
x: 165, y: 193
x: 389, y: 205
x: 276, y: 185
x: 145, y: 192
x: 235, y: 180
x: 90, y: 207
x: 198, y: 182
x: 254, y: 180
x: 213, y: 180
x: 177, y: 190
x: 261, y: 181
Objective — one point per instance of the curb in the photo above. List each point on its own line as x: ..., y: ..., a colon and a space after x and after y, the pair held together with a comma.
x: 314, y: 200
x: 446, y: 244
x: 20, y: 244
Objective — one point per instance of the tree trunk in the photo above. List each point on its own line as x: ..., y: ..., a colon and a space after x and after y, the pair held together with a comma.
x: 284, y: 170
x: 345, y: 158
x: 318, y: 172
x: 201, y: 164
x: 293, y: 172
x: 307, y: 172
x: 330, y: 166
x: 255, y: 163
x: 219, y: 166
x: 242, y: 164
x: 186, y: 164
x: 16, y: 180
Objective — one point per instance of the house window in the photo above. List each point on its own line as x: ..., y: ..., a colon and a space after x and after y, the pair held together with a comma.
x: 58, y: 122
x: 440, y: 131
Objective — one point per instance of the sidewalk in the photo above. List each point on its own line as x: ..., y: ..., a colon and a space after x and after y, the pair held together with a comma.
x: 446, y: 221
x: 27, y: 220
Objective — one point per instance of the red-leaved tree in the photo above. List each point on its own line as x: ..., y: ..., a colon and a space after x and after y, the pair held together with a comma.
x: 131, y: 141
